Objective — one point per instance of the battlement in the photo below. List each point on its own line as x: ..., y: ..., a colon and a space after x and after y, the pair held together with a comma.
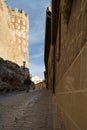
x: 16, y: 10
x: 22, y: 12
x: 49, y: 8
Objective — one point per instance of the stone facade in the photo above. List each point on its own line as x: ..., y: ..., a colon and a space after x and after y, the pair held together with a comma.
x: 73, y: 36
x: 40, y: 85
x: 5, y: 35
x: 14, y: 38
x: 67, y: 69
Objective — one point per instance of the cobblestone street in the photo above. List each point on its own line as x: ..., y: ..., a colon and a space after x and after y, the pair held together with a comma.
x: 26, y: 111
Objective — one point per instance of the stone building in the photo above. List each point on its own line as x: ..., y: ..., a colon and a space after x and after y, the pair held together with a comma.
x: 48, y: 47
x: 5, y: 35
x: 14, y: 34
x: 66, y: 60
x: 40, y: 85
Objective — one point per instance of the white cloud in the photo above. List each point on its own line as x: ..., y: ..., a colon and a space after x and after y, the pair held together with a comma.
x: 36, y: 36
x: 37, y: 31
x: 37, y: 70
x: 34, y: 56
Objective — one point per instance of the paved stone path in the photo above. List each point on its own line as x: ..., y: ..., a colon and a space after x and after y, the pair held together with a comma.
x: 27, y: 111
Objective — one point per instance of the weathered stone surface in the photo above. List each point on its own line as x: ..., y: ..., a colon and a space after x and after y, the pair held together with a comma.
x: 31, y: 111
x: 14, y: 34
x: 69, y: 63
x: 11, y: 76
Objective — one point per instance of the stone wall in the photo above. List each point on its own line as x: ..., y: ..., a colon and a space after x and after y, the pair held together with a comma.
x: 71, y: 93
x: 40, y: 85
x: 71, y: 67
x: 73, y: 35
x: 19, y: 30
x: 5, y: 35
x: 14, y: 36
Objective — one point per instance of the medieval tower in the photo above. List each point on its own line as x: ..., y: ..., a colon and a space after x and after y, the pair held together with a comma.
x: 14, y: 30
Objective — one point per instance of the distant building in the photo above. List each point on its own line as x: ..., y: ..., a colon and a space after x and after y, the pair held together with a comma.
x: 40, y: 85
x: 36, y: 79
x: 14, y: 34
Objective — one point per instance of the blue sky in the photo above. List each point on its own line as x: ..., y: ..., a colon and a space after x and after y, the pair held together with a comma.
x: 36, y: 9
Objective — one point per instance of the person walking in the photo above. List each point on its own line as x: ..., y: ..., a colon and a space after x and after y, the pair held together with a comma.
x: 27, y: 83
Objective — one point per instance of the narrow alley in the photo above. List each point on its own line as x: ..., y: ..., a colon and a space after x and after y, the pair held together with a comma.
x: 27, y: 111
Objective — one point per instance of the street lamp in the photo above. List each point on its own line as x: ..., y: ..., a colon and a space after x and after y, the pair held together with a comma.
x: 24, y: 62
